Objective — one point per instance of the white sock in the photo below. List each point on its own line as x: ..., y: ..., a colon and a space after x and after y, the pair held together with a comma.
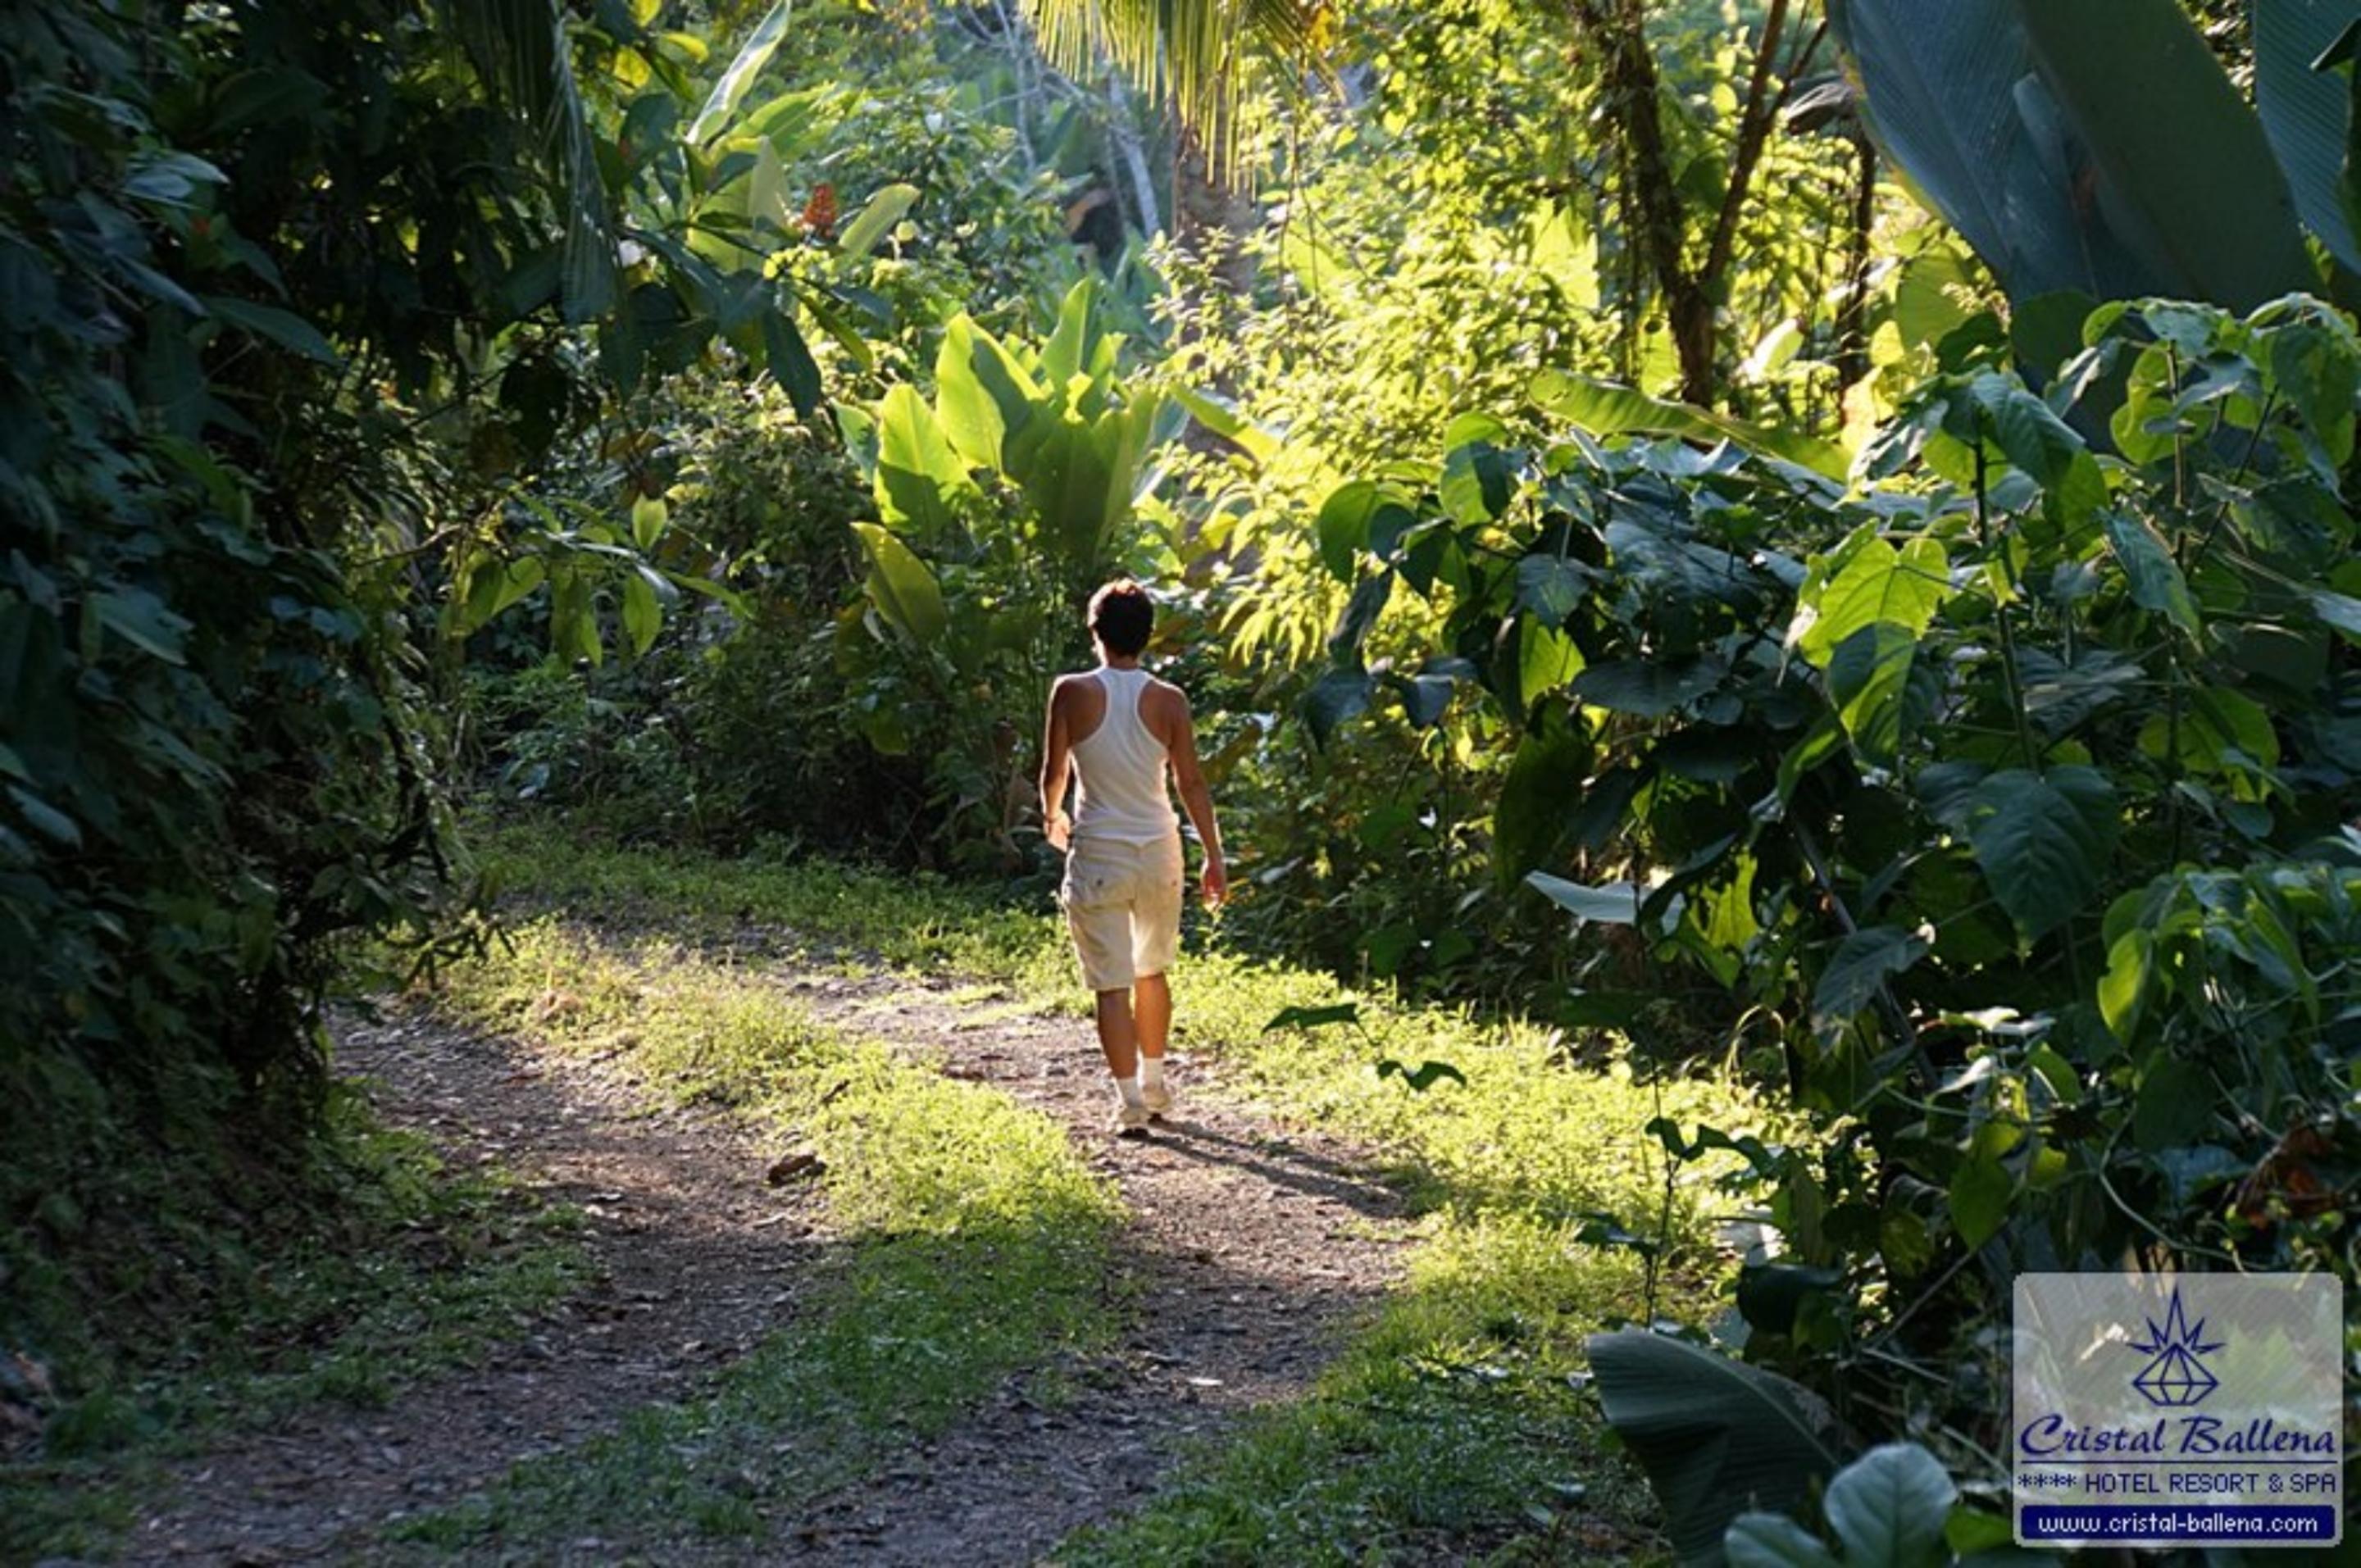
x: 1130, y: 1089
x: 1151, y: 1073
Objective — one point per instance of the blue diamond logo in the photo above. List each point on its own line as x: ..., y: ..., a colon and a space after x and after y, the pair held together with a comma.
x: 2175, y: 1377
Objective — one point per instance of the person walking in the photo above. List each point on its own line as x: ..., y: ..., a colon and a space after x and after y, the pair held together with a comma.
x: 1124, y: 736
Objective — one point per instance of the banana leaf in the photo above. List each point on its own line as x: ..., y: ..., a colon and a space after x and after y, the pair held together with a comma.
x: 2307, y: 111
x: 1716, y: 1436
x: 2095, y: 148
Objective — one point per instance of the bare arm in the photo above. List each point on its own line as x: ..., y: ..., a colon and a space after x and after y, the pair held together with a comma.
x: 1057, y: 764
x: 1197, y: 799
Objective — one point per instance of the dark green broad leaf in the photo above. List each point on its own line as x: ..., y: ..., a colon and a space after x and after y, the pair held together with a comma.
x: 1666, y: 567
x: 1315, y: 1017
x: 1477, y: 482
x: 1979, y: 1199
x: 1350, y: 522
x: 2042, y: 842
x: 2149, y: 570
x: 142, y: 619
x: 2028, y: 431
x: 288, y: 330
x: 1552, y: 587
x: 1335, y: 697
x: 1888, y: 1508
x: 1770, y: 1294
x: 2340, y: 612
x: 1715, y: 1436
x: 2313, y: 367
x: 1426, y: 696
x: 258, y: 97
x: 792, y: 364
x: 1535, y: 812
x: 1423, y: 1077
x: 1361, y: 612
x: 1774, y: 1540
x: 2307, y: 110
x: 1611, y: 903
x: 1874, y: 684
x: 2036, y: 129
x: 1649, y: 688
x: 2198, y: 181
x: 903, y: 590
x: 46, y: 819
x: 1862, y: 964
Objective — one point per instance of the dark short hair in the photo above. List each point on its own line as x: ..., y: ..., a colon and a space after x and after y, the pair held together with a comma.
x: 1122, y: 614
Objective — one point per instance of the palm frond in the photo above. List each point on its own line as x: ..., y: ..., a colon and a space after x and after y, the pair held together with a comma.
x: 520, y: 52
x: 1190, y: 54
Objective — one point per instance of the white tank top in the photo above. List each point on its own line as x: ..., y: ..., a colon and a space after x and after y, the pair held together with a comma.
x: 1119, y: 771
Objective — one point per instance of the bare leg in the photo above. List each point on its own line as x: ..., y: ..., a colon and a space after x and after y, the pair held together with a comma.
x: 1118, y: 1036
x: 1151, y: 1011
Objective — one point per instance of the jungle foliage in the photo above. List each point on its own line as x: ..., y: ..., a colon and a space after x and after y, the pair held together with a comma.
x: 1914, y: 650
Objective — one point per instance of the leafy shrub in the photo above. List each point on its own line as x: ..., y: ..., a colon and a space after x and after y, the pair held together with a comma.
x: 2007, y: 793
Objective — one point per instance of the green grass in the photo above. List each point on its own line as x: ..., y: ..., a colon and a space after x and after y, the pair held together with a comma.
x: 1529, y: 1134
x: 1456, y: 1417
x: 971, y: 1243
x: 373, y: 1265
x: 1455, y: 1421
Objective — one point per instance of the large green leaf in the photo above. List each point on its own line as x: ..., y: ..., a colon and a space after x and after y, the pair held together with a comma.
x: 1351, y: 519
x: 918, y: 474
x: 1603, y: 408
x: 1867, y: 581
x: 1774, y: 1540
x: 2184, y: 171
x: 874, y: 221
x: 1873, y: 676
x: 970, y: 416
x: 791, y: 362
x: 2093, y: 146
x: 1537, y: 799
x: 2308, y: 113
x: 1335, y: 697
x: 1068, y: 353
x: 1611, y: 903
x: 1888, y: 1508
x: 1951, y: 97
x: 2042, y: 842
x: 1863, y: 963
x: 1716, y: 1438
x: 903, y: 591
x: 730, y: 91
x: 2155, y: 577
x: 285, y: 328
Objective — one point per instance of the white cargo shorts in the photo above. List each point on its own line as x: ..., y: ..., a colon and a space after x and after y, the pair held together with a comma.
x: 1122, y: 906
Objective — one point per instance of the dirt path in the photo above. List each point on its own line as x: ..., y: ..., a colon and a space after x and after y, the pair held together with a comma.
x: 695, y: 1258
x: 1247, y: 1253
x: 1247, y: 1249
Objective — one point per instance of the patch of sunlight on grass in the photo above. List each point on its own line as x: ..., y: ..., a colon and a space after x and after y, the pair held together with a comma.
x: 974, y: 1243
x: 1451, y: 1427
x: 1455, y: 1416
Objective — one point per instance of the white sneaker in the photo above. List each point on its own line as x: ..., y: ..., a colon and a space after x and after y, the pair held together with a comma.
x: 1130, y: 1121
x: 1158, y: 1097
